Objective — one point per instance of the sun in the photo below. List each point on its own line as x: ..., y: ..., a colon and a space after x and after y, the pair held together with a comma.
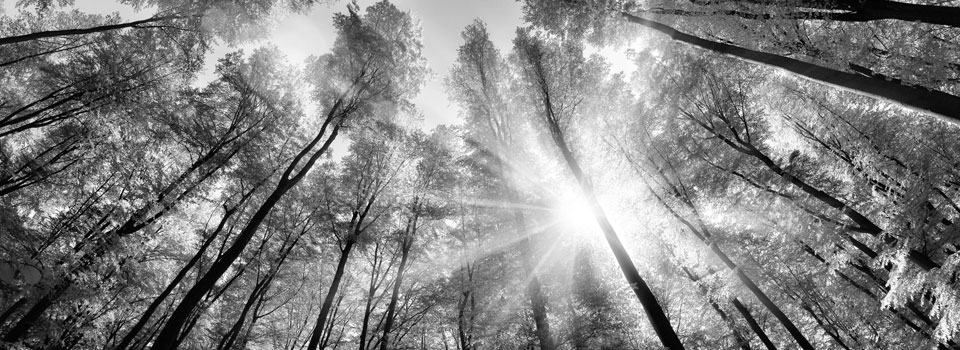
x: 573, y: 216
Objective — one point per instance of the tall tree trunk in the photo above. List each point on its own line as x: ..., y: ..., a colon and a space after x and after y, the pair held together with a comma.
x: 861, y: 222
x: 356, y: 228
x: 377, y: 278
x: 495, y: 122
x: 765, y: 300
x: 701, y: 232
x: 658, y: 318
x: 538, y: 300
x: 81, y: 31
x: 938, y: 103
x: 106, y: 240
x: 932, y: 14
x: 741, y: 340
x: 148, y: 313
x: 867, y: 11
x: 754, y: 325
x: 392, y: 307
x: 331, y: 294
x: 172, y: 329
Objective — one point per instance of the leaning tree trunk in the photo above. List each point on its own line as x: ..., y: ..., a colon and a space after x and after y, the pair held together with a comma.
x: 81, y: 31
x: 658, y: 318
x: 331, y: 293
x: 172, y: 329
x: 754, y: 325
x: 356, y: 224
x: 931, y: 14
x: 392, y: 307
x: 941, y: 104
x: 538, y: 299
x: 741, y: 340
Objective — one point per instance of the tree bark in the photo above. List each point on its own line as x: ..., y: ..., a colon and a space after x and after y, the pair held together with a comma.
x: 658, y: 318
x: 741, y: 340
x: 938, y: 103
x: 331, y: 293
x: 392, y: 307
x: 754, y: 325
x: 81, y: 31
x: 931, y: 14
x: 167, y: 337
x: 702, y: 234
x: 355, y: 230
x: 862, y: 12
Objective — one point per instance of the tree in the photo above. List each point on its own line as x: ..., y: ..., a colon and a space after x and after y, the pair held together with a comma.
x: 532, y: 52
x: 479, y: 79
x: 925, y: 99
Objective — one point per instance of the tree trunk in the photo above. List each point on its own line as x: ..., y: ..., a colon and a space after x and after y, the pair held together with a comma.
x: 81, y: 31
x: 658, y: 319
x: 753, y: 324
x: 145, y: 317
x: 866, y: 11
x: 538, y: 301
x: 331, y: 293
x: 377, y: 277
x: 168, y: 335
x: 932, y: 14
x: 941, y: 104
x: 392, y: 307
x: 741, y: 340
x: 707, y: 238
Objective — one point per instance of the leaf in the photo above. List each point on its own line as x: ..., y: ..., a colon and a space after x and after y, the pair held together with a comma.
x: 6, y: 273
x: 31, y: 274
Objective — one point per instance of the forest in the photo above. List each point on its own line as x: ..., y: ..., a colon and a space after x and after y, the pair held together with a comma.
x: 768, y: 174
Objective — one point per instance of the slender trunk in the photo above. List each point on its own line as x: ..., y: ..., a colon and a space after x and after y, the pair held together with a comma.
x: 464, y: 333
x: 828, y: 328
x: 741, y: 340
x: 356, y: 228
x: 538, y: 304
x: 81, y: 31
x: 392, y: 307
x: 769, y: 304
x: 461, y: 327
x: 11, y: 310
x: 331, y: 294
x: 332, y: 322
x: 796, y: 15
x: 658, y: 318
x: 22, y: 327
x: 107, y: 240
x: 938, y: 103
x: 168, y: 335
x: 145, y: 317
x: 704, y: 236
x: 862, y: 223
x: 538, y: 301
x: 754, y: 325
x: 376, y: 281
x: 256, y: 298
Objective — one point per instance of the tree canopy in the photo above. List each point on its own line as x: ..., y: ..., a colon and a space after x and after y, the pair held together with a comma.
x: 758, y: 174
